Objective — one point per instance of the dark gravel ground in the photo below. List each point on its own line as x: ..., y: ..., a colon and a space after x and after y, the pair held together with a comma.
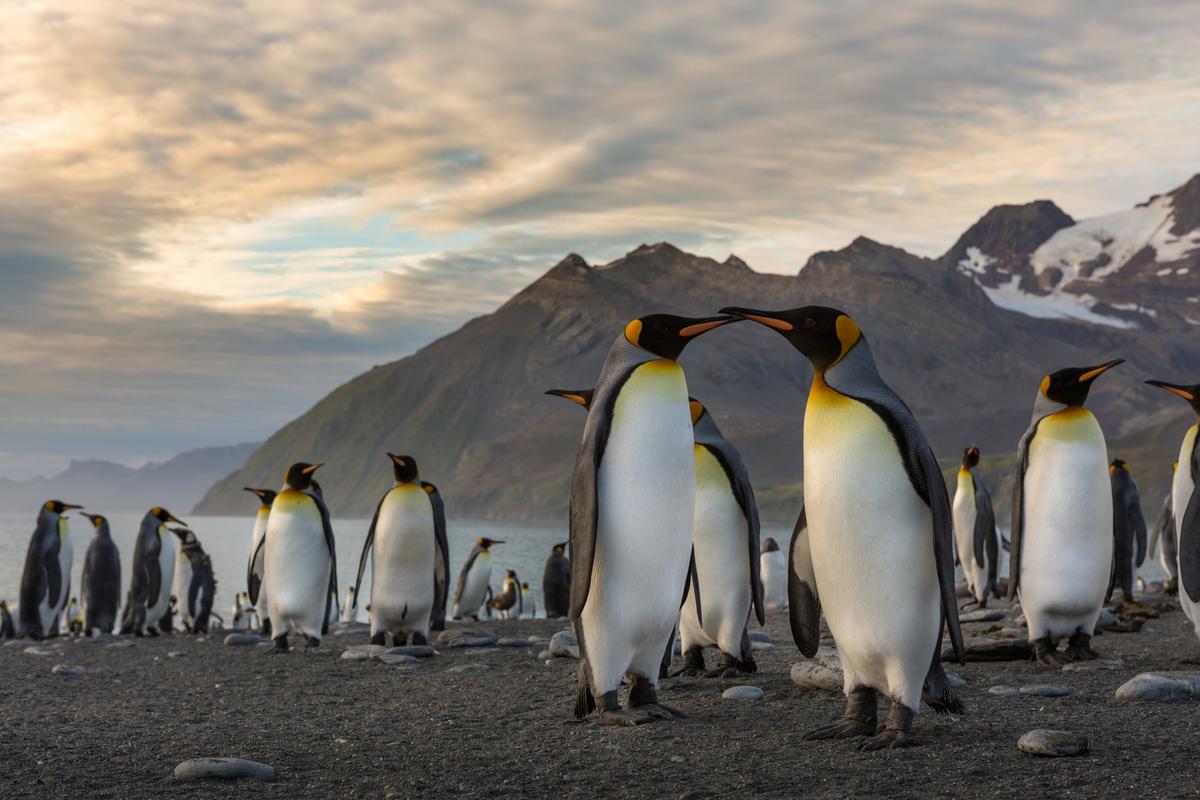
x: 335, y: 728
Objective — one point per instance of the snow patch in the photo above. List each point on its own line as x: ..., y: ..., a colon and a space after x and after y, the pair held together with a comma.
x: 976, y: 262
x: 1059, y: 305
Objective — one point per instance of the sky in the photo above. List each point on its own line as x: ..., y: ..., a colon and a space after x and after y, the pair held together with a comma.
x: 212, y: 214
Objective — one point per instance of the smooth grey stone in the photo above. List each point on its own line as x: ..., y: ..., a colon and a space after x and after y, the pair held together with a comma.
x: 743, y: 693
x: 1003, y: 691
x: 955, y: 681
x: 355, y: 655
x: 40, y: 651
x: 759, y: 634
x: 564, y: 645
x: 470, y: 668
x: 1045, y: 691
x: 815, y: 677
x: 1102, y: 665
x: 509, y: 641
x: 467, y: 637
x: 1053, y: 743
x: 761, y: 647
x: 827, y: 656
x: 242, y: 639
x: 1012, y: 630
x: 982, y: 615
x: 69, y: 671
x: 368, y: 649
x: 1165, y: 688
x: 545, y: 655
x: 225, y: 768
x: 667, y: 684
x: 177, y: 654
x: 414, y: 650
x: 120, y: 644
x: 14, y: 643
x: 396, y: 659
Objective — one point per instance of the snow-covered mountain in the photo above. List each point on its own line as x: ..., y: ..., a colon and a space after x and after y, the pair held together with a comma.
x: 1134, y: 268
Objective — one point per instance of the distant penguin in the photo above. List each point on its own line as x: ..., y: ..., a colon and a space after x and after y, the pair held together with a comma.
x: 350, y: 605
x: 332, y: 612
x: 773, y: 568
x: 256, y: 591
x: 100, y: 584
x: 410, y: 560
x: 1185, y: 501
x: 237, y: 613
x: 73, y: 618
x: 301, y: 560
x: 195, y: 584
x: 725, y: 543
x: 206, y: 587
x: 508, y: 602
x: 633, y: 496
x: 166, y: 623
x: 556, y: 582
x: 1162, y: 541
x: 7, y: 629
x: 1062, y: 523
x: 875, y: 539
x: 975, y: 531
x: 1129, y: 530
x: 474, y: 580
x: 46, y: 580
x: 528, y: 606
x: 152, y: 575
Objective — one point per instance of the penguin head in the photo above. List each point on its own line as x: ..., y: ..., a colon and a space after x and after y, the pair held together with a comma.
x: 1118, y: 464
x: 1070, y: 386
x: 524, y: 586
x: 265, y: 496
x: 665, y: 335
x: 58, y: 506
x: 164, y: 516
x: 185, y: 535
x: 823, y: 335
x: 1189, y: 392
x: 485, y: 542
x: 404, y: 468
x: 300, y: 475
x: 970, y: 457
x: 770, y: 546
x: 697, y: 408
x: 561, y: 547
x: 581, y: 396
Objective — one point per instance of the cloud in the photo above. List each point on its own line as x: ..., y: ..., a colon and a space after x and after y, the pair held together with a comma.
x: 209, y: 216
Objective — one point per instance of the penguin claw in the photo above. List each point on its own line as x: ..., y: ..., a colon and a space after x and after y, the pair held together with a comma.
x: 623, y: 717
x: 688, y: 672
x: 888, y: 740
x: 842, y: 729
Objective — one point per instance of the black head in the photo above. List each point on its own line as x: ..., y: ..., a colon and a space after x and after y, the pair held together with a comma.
x: 561, y: 547
x: 511, y: 573
x: 404, y: 468
x: 58, y: 506
x: 770, y: 546
x: 162, y: 515
x: 665, y: 335
x: 265, y: 496
x: 697, y: 408
x: 581, y: 396
x: 1189, y: 392
x: 4, y: 604
x: 971, y: 457
x: 96, y: 520
x: 1070, y: 386
x: 485, y: 542
x: 525, y: 586
x: 1118, y: 464
x: 185, y: 535
x: 300, y: 475
x: 824, y: 335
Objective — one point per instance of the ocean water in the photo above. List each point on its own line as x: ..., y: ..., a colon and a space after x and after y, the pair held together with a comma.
x: 227, y: 540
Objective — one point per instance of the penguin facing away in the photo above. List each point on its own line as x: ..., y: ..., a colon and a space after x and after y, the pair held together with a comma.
x: 1186, y: 505
x: 1062, y: 507
x: 46, y: 579
x: 975, y: 531
x: 873, y: 547
x: 301, y: 560
x: 725, y: 540
x: 528, y: 606
x: 407, y: 546
x: 1162, y: 540
x: 195, y: 583
x: 556, y: 582
x: 473, y: 586
x: 774, y: 571
x: 255, y: 577
x: 632, y: 509
x: 100, y: 583
x: 152, y: 574
x: 1129, y: 530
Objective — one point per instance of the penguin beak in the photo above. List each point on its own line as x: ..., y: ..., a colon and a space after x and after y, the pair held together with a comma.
x: 1095, y: 372
x: 703, y: 325
x: 1186, y: 392
x: 70, y: 506
x: 175, y: 519
x: 767, y: 318
x: 397, y: 459
x: 581, y: 396
x: 311, y: 468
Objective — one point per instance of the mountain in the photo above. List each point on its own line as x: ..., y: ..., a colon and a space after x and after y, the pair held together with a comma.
x: 469, y: 407
x: 108, y: 487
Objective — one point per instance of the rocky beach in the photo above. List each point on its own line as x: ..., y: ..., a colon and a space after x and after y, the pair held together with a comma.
x: 486, y: 712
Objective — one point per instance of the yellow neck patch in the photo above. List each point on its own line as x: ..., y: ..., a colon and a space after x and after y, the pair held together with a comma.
x: 697, y: 410
x: 633, y: 331
x: 848, y: 334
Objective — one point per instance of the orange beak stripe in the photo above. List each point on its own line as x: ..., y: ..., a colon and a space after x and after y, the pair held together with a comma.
x: 771, y: 322
x: 701, y: 327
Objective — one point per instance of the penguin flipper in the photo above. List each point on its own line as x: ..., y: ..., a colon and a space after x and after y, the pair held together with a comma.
x: 441, y: 559
x: 1139, y: 523
x: 331, y: 544
x: 804, y: 603
x: 983, y: 517
x: 692, y: 582
x: 1189, y: 537
x: 366, y: 551
x: 461, y: 584
x: 739, y: 481
x: 1018, y: 510
x: 54, y: 576
x: 255, y: 569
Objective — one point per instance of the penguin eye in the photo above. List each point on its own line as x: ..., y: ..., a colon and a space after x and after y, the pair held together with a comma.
x: 809, y: 322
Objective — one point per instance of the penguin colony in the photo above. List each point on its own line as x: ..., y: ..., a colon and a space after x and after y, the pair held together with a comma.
x: 664, y: 540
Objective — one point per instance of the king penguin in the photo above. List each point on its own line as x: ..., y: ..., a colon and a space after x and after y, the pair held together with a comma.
x: 256, y: 588
x: 1129, y: 530
x: 1186, y: 504
x: 774, y: 571
x: 975, y: 531
x: 194, y: 583
x: 301, y: 560
x: 474, y: 580
x: 556, y: 582
x: 725, y: 541
x: 633, y: 498
x: 875, y: 534
x: 1162, y: 540
x: 153, y: 574
x: 1062, y: 549
x: 8, y: 628
x: 410, y: 564
x: 528, y: 606
x: 46, y: 580
x: 100, y: 585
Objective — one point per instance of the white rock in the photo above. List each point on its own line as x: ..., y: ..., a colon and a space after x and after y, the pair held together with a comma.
x: 1101, y: 665
x: 355, y: 655
x: 743, y: 693
x: 982, y: 615
x: 1003, y: 691
x: 1164, y: 687
x: 69, y: 671
x: 955, y: 681
x: 467, y: 637
x: 761, y: 647
x: 414, y: 650
x: 226, y: 768
x: 1053, y: 743
x: 242, y: 639
x: 564, y: 645
x: 812, y: 676
x: 759, y: 635
x: 396, y: 659
x: 40, y: 651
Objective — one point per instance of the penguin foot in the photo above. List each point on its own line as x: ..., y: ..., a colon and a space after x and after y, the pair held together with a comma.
x: 265, y: 629
x: 399, y: 639
x: 311, y: 643
x: 281, y: 644
x: 1043, y: 653
x: 418, y: 639
x: 611, y: 712
x: 727, y: 667
x: 693, y: 663
x: 643, y: 698
x: 660, y: 711
x: 377, y: 638
x: 1079, y: 648
x: 896, y: 733
x: 859, y: 719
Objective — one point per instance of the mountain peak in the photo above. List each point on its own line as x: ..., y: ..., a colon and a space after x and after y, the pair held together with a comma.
x: 1185, y: 202
x: 1009, y: 232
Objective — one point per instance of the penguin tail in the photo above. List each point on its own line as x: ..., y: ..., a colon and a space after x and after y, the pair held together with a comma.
x: 747, y: 664
x: 938, y: 693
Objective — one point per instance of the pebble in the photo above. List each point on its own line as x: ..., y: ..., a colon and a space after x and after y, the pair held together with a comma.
x: 470, y: 668
x: 1012, y: 630
x: 1045, y: 691
x: 509, y: 641
x: 1163, y: 687
x: 955, y: 681
x: 69, y: 671
x: 396, y: 659
x: 414, y: 650
x: 121, y: 644
x: 760, y: 635
x: 1102, y: 665
x: 1003, y: 691
x: 545, y: 655
x: 177, y: 654
x: 743, y: 693
x: 759, y: 647
x: 242, y: 639
x: 1053, y: 743
x: 39, y: 651
x: 355, y: 655
x: 816, y: 677
x: 467, y: 637
x: 227, y: 768
x: 982, y: 615
x: 1107, y: 617
x: 564, y: 645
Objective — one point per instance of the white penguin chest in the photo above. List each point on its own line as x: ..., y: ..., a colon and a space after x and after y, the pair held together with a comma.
x: 476, y: 584
x: 964, y: 512
x: 297, y: 562
x: 721, y: 540
x: 402, y: 554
